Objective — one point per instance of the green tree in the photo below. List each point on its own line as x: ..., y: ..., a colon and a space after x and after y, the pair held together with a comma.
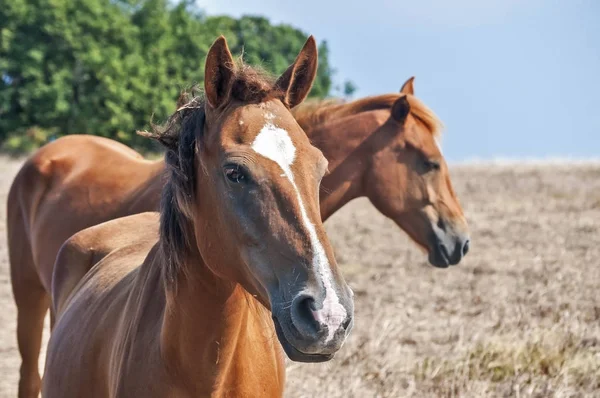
x: 106, y: 66
x: 63, y: 63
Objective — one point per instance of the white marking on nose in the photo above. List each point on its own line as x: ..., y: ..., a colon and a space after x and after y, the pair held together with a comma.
x: 274, y: 143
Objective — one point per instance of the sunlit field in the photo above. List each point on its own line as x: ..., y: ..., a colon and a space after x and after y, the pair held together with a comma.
x: 520, y: 316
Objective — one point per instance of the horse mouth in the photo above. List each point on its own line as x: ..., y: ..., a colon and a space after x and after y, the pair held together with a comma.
x: 295, y: 354
x: 439, y: 256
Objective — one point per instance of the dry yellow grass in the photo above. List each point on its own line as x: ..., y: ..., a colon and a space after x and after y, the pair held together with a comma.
x: 531, y: 364
x: 520, y: 317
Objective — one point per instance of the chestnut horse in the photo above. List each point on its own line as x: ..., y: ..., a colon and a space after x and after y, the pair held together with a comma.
x: 382, y: 147
x: 242, y: 257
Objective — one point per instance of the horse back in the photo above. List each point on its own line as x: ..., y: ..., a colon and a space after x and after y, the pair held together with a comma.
x: 73, y: 183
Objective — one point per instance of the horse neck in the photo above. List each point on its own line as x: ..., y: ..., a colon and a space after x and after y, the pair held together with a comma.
x: 217, y: 339
x: 343, y: 144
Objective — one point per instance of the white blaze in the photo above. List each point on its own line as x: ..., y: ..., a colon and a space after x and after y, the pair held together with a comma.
x: 275, y: 144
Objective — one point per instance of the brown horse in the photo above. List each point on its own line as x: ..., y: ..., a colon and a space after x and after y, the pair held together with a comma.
x: 242, y: 257
x: 390, y: 154
x: 382, y: 147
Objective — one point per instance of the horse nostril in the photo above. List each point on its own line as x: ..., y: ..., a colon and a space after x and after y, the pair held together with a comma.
x: 465, y: 248
x: 304, y: 308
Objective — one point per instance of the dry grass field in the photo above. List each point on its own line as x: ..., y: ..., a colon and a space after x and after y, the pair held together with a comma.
x: 519, y: 317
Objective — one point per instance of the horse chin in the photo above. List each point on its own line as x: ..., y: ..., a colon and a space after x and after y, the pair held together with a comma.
x: 429, y: 244
x: 293, y: 353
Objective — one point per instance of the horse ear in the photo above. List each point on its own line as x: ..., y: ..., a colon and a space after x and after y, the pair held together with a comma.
x: 218, y: 73
x: 400, y: 109
x: 297, y: 80
x: 407, y: 87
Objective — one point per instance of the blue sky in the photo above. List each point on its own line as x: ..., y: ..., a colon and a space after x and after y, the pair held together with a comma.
x: 509, y: 78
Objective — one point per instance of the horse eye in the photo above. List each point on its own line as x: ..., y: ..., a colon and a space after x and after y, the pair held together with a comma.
x: 235, y: 174
x: 431, y: 165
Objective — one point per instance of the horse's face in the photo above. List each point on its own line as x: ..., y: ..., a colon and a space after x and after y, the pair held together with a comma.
x: 258, y: 198
x: 409, y: 182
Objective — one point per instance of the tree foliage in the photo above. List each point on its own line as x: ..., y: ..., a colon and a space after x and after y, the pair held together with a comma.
x: 105, y: 67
